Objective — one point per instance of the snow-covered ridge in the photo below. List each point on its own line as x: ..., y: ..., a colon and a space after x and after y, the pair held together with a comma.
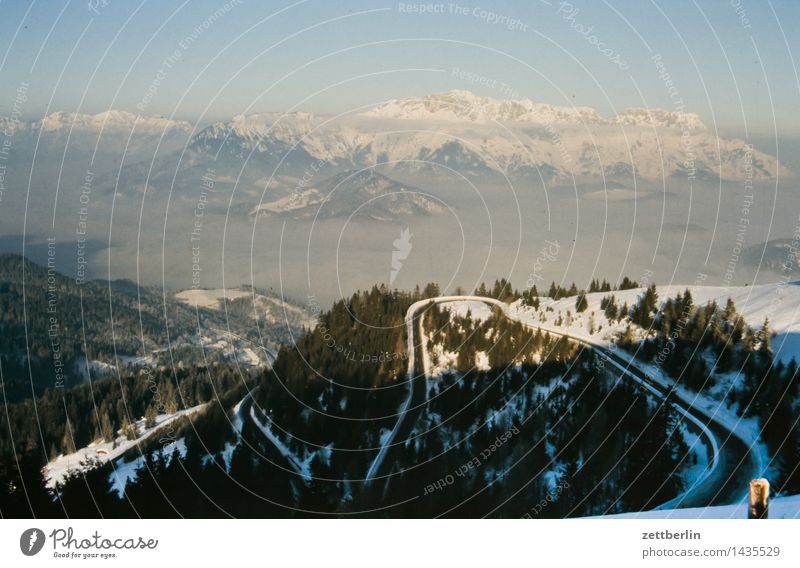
x: 99, y: 452
x: 209, y: 299
x: 272, y: 308
x: 778, y: 302
x: 659, y: 118
x: 460, y: 106
x: 107, y: 121
x: 256, y: 126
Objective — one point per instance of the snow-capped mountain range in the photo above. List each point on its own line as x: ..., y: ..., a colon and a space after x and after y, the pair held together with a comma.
x: 111, y: 120
x: 450, y: 134
x: 460, y: 133
x: 463, y: 106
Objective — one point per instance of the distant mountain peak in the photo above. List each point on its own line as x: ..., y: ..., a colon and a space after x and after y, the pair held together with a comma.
x: 108, y: 120
x: 464, y: 106
x: 660, y: 118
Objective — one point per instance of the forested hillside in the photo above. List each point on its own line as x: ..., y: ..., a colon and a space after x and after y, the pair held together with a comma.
x: 56, y: 333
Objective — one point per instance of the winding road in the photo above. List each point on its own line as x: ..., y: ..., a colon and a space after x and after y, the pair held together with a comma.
x: 416, y: 378
x: 732, y: 463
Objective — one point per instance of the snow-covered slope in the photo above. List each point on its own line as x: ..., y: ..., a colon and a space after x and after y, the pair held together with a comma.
x: 125, y: 471
x: 779, y: 508
x: 271, y: 309
x: 778, y: 302
x: 252, y: 328
x: 209, y: 299
x: 100, y: 452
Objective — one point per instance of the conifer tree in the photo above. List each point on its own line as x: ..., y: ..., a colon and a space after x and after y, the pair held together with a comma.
x: 150, y: 416
x: 764, y: 337
x: 67, y: 440
x: 106, y: 428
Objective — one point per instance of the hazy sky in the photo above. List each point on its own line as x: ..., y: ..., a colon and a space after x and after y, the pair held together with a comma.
x: 732, y: 62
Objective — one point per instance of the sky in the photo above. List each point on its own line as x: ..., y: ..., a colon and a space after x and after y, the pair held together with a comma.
x: 733, y: 62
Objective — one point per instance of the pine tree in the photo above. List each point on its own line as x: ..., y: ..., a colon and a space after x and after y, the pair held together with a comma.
x: 67, y: 440
x: 739, y: 331
x: 749, y: 340
x: 431, y: 290
x: 150, y: 416
x: 106, y: 428
x: 628, y: 284
x: 129, y: 429
x: 610, y: 307
x: 729, y: 316
x: 643, y: 311
x: 764, y: 336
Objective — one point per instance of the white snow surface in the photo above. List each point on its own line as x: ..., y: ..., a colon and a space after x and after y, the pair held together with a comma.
x: 779, y: 303
x: 443, y: 361
x: 478, y: 311
x: 779, y: 508
x: 126, y: 471
x: 209, y: 299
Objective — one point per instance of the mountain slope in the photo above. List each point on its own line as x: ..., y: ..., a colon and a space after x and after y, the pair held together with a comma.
x: 365, y: 192
x: 56, y: 333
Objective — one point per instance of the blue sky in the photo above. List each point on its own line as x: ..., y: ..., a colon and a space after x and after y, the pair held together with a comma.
x: 730, y: 61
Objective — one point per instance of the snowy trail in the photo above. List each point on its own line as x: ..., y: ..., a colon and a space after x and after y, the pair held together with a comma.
x: 416, y: 381
x: 411, y: 316
x: 244, y: 411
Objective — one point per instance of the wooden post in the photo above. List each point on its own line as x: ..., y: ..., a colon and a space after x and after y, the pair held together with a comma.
x: 759, y: 496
